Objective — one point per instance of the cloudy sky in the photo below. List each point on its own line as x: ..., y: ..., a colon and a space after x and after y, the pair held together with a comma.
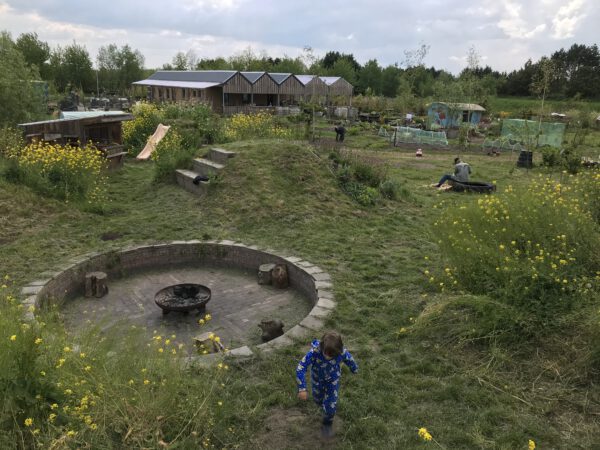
x: 505, y: 33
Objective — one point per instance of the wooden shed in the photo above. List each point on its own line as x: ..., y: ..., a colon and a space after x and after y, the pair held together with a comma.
x: 449, y: 115
x: 338, y: 87
x: 263, y: 88
x: 193, y: 86
x: 314, y: 88
x: 103, y: 128
x: 290, y: 89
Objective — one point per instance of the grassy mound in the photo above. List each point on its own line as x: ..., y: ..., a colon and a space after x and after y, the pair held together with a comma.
x: 423, y: 362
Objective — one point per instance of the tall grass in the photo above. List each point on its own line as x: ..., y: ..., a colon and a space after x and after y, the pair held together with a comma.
x: 98, y: 390
x: 534, y: 249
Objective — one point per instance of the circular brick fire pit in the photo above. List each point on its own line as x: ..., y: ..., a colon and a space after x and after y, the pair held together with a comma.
x: 183, y: 297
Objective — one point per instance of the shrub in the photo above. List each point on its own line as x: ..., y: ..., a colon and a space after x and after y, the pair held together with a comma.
x: 248, y: 126
x: 550, y: 156
x: 11, y: 140
x: 136, y: 132
x: 535, y: 249
x: 170, y: 154
x: 363, y: 179
x: 64, y: 172
x: 100, y: 390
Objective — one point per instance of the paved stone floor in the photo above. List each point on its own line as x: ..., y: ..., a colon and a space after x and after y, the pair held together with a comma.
x: 237, y: 305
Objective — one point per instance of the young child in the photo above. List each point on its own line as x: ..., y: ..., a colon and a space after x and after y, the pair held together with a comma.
x: 325, y: 358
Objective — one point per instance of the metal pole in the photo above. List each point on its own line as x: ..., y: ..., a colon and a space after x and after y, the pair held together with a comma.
x: 97, y: 85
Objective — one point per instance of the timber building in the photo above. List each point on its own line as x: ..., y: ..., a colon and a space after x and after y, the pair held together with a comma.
x: 229, y: 91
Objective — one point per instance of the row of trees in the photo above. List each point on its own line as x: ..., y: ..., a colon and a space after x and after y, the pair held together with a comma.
x: 575, y: 72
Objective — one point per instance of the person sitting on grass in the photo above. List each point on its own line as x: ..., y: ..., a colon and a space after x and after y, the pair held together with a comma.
x: 325, y: 358
x: 461, y: 173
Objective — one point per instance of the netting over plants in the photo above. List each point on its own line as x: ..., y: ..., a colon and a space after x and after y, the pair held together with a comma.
x: 526, y: 131
x: 416, y: 136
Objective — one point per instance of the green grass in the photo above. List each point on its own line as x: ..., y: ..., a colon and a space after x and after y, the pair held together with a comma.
x: 281, y: 195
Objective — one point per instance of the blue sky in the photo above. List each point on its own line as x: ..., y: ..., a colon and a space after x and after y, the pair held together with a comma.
x: 504, y: 33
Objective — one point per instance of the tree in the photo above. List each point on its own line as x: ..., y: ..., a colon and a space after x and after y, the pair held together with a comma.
x: 180, y: 61
x: 343, y: 68
x: 290, y: 65
x: 118, y: 68
x: 213, y: 64
x: 72, y: 66
x: 370, y: 77
x: 20, y: 99
x: 390, y: 79
x: 35, y: 52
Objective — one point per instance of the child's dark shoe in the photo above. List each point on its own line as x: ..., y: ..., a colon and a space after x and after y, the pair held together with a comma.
x: 327, y: 431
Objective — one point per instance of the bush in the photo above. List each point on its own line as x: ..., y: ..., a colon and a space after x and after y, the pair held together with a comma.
x: 550, y: 156
x: 11, y: 140
x: 535, y: 249
x: 63, y: 172
x: 100, y: 390
x: 170, y: 155
x: 136, y: 132
x: 248, y: 126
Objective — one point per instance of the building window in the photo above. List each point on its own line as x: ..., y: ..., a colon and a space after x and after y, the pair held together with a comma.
x: 246, y: 99
x: 226, y: 99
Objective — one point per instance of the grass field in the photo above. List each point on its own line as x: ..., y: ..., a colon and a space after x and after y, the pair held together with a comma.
x: 281, y: 195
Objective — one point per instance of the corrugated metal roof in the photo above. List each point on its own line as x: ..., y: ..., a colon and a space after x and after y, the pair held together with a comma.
x: 181, y: 84
x: 205, y: 76
x: 279, y: 77
x: 462, y: 106
x: 252, y: 77
x: 110, y: 116
x: 86, y: 114
x: 330, y: 80
x: 305, y: 79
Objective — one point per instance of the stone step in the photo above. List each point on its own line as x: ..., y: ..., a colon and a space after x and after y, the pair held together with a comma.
x: 219, y: 155
x: 206, y: 167
x: 185, y: 179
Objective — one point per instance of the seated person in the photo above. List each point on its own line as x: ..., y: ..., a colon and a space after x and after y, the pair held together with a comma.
x: 461, y: 173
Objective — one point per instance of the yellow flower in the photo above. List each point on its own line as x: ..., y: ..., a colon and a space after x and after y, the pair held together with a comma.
x: 38, y: 341
x: 53, y: 406
x: 423, y: 433
x: 201, y: 322
x: 51, y: 417
x: 531, y: 445
x: 146, y: 381
x: 28, y: 422
x: 13, y: 337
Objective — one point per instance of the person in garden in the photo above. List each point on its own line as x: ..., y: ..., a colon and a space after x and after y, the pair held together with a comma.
x: 325, y: 357
x: 340, y: 132
x: 462, y: 170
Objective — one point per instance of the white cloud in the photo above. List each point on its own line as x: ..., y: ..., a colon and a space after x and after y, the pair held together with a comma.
x: 565, y: 22
x: 505, y: 33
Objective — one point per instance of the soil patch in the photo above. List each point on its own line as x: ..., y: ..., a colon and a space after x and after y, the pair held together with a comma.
x: 295, y: 428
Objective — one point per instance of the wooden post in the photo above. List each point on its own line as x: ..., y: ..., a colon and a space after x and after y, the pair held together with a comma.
x: 264, y: 273
x: 95, y: 284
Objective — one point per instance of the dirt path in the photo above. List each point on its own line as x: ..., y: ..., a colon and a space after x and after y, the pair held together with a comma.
x: 295, y: 428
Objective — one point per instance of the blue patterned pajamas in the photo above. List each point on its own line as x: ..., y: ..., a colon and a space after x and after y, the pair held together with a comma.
x: 325, y: 378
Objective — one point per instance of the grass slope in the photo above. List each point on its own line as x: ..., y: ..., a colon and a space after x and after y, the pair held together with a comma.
x: 282, y: 195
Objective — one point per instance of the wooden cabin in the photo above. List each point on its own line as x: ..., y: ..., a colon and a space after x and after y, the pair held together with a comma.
x: 338, y: 89
x: 229, y: 92
x: 102, y: 128
x: 315, y: 89
x: 451, y: 115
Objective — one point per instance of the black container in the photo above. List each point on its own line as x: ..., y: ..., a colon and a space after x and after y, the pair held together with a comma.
x: 525, y: 159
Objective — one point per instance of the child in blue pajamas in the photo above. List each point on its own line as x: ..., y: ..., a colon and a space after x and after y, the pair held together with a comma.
x: 325, y: 358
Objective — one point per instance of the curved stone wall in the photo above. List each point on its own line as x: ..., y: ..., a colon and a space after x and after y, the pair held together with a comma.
x: 303, y: 276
